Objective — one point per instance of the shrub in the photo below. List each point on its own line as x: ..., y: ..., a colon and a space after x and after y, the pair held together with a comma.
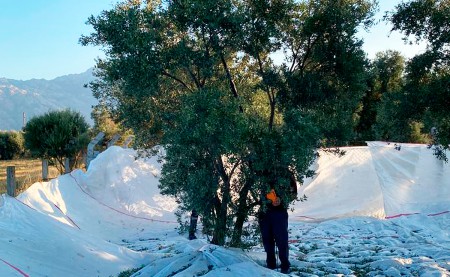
x: 11, y: 145
x: 57, y: 135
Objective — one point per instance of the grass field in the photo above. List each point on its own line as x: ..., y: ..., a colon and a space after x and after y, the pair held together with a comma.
x: 28, y: 172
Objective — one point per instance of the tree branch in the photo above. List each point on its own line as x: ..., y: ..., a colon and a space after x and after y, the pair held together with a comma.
x: 230, y: 80
x: 307, y: 54
x: 194, y: 78
x: 176, y: 79
x: 270, y: 95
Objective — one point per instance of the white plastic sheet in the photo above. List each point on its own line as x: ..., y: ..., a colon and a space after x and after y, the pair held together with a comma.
x: 411, y: 178
x: 343, y: 186
x: 382, y: 180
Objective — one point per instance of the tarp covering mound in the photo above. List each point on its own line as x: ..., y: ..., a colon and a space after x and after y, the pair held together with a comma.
x: 113, y: 218
x: 382, y: 180
x: 116, y: 190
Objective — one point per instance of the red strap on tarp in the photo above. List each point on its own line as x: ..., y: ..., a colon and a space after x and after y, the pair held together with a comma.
x: 15, y: 268
x: 134, y: 216
x: 68, y: 217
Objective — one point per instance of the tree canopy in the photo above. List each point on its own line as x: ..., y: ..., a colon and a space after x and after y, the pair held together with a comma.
x: 11, y: 145
x: 57, y: 135
x: 425, y: 97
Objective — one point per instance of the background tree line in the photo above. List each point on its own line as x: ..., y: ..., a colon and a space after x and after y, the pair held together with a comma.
x: 11, y: 145
x: 199, y: 78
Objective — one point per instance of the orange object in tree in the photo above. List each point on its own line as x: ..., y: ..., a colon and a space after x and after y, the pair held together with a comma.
x: 272, y: 196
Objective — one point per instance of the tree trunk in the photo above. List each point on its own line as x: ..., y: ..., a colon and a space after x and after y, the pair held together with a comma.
x: 220, y: 228
x: 242, y: 213
x: 219, y: 232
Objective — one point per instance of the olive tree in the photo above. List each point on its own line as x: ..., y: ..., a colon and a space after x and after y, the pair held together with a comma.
x: 57, y: 135
x: 11, y: 145
x: 199, y: 78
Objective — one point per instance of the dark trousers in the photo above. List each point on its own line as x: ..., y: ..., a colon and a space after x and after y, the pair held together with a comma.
x: 274, y: 230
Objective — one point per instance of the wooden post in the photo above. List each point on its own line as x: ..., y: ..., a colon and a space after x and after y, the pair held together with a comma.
x: 45, y: 170
x: 11, y: 181
x: 91, y: 153
x: 114, y: 139
x: 67, y: 166
x: 127, y: 142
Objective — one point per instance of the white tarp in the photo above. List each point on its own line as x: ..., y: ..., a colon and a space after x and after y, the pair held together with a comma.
x: 113, y: 218
x: 412, y: 179
x: 379, y: 180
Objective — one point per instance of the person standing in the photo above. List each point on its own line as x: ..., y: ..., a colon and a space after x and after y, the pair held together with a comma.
x: 273, y: 222
x: 193, y: 225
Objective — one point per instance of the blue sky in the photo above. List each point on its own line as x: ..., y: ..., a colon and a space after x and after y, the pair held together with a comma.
x: 39, y: 38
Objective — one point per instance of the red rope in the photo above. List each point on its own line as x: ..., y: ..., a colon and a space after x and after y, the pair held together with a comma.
x: 25, y: 204
x: 387, y: 217
x: 344, y: 237
x: 144, y: 218
x: 398, y: 215
x: 439, y: 213
x: 68, y: 217
x: 307, y: 217
x: 17, y: 269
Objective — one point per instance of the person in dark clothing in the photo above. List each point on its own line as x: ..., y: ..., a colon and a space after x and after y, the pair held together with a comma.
x: 273, y: 222
x: 193, y: 225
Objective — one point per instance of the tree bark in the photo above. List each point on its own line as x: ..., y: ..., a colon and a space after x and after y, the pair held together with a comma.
x: 242, y: 213
x: 230, y: 81
x: 220, y: 228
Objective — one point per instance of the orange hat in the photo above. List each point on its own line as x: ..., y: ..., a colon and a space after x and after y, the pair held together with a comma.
x: 272, y: 195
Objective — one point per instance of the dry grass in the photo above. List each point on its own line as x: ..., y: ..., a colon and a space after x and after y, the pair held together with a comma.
x: 28, y: 172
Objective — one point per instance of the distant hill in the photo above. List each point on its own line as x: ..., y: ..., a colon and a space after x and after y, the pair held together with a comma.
x: 38, y: 96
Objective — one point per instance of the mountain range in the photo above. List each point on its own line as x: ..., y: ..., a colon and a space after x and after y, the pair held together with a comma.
x: 37, y: 96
